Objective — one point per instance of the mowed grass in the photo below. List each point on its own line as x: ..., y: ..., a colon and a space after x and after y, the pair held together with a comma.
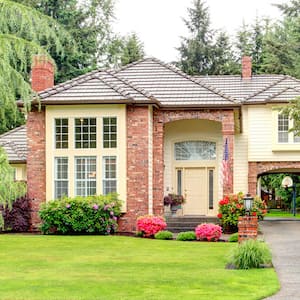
x: 281, y: 214
x: 113, y: 267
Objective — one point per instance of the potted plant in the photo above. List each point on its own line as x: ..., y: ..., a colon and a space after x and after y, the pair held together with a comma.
x: 175, y: 201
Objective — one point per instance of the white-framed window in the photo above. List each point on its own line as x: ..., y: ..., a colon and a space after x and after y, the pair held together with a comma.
x: 61, y: 133
x: 85, y: 133
x: 283, y: 126
x: 109, y: 132
x: 109, y: 174
x: 61, y: 181
x: 85, y: 175
x: 195, y: 150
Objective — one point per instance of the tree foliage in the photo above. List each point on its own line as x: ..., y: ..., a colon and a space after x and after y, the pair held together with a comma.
x: 200, y: 52
x: 23, y: 33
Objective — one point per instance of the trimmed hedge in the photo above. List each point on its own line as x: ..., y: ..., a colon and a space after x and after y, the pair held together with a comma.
x: 81, y: 215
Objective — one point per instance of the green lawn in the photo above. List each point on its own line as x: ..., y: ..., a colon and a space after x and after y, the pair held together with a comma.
x: 277, y: 213
x: 113, y: 267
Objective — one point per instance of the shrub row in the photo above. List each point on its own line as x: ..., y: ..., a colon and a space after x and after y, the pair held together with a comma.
x: 81, y: 215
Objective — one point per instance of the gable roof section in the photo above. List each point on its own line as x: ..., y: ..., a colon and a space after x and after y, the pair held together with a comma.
x: 95, y: 87
x: 258, y: 89
x: 146, y: 81
x: 172, y: 87
x: 14, y: 143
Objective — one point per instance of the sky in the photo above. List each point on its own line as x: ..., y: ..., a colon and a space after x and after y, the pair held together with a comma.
x: 158, y: 23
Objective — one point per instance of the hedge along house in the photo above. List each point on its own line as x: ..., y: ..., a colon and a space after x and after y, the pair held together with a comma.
x: 148, y: 129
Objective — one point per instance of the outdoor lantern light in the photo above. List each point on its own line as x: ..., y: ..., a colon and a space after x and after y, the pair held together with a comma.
x: 248, y: 202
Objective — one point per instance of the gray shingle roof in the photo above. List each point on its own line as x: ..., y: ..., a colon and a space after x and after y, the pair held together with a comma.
x: 258, y: 89
x: 146, y: 81
x: 14, y: 143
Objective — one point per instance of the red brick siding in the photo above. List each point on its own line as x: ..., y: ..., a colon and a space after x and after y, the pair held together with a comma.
x: 257, y: 168
x: 137, y: 167
x: 36, y: 163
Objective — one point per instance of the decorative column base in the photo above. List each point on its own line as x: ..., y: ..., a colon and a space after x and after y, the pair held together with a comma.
x: 247, y: 228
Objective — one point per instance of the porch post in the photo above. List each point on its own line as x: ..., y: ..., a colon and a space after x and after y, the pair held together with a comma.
x: 158, y: 162
x: 228, y: 135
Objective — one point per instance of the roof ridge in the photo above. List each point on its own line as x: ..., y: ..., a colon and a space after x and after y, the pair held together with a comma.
x: 265, y: 88
x: 119, y: 90
x: 12, y: 130
x: 131, y: 64
x: 281, y: 92
x: 133, y: 86
x: 208, y: 87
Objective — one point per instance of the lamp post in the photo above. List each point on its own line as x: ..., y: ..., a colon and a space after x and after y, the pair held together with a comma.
x: 287, y: 182
x: 248, y: 203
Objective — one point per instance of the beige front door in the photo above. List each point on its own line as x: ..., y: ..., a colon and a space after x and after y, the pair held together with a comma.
x: 195, y: 187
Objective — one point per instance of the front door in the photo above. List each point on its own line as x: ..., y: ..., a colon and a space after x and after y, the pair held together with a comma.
x: 197, y: 186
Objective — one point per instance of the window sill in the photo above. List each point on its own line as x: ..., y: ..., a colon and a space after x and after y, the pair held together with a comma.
x: 285, y: 147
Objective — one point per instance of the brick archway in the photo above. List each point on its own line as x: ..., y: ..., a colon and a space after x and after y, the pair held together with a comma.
x: 160, y: 118
x: 258, y: 168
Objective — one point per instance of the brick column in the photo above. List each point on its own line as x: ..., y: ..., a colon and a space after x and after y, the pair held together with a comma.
x: 247, y: 226
x: 252, y: 178
x: 137, y: 167
x: 36, y: 163
x: 158, y: 163
x: 228, y: 134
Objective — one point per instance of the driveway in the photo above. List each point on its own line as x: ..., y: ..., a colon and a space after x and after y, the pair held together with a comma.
x: 283, y: 236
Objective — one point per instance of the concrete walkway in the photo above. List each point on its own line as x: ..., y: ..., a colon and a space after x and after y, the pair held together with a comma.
x: 283, y: 236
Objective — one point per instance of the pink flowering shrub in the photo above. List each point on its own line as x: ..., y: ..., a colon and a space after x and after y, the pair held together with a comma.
x: 149, y: 225
x: 208, y: 231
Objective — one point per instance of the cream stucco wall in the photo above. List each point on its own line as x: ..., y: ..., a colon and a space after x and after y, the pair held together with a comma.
x: 20, y: 171
x: 263, y: 145
x: 192, y: 130
x: 240, y: 156
x: 86, y: 111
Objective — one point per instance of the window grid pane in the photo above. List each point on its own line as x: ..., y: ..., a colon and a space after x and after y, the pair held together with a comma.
x: 109, y: 132
x: 61, y: 133
x: 283, y: 128
x: 195, y: 150
x: 85, y: 176
x: 61, y: 182
x: 109, y: 174
x: 85, y: 133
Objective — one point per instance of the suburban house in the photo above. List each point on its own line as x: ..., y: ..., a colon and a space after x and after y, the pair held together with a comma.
x: 148, y: 129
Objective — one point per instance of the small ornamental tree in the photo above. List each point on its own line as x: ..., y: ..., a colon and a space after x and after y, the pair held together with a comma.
x: 149, y: 225
x: 10, y: 189
x: 232, y: 206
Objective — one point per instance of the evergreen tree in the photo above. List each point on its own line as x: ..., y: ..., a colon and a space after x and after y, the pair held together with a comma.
x: 89, y: 24
x: 132, y: 49
x: 196, y: 53
x: 205, y: 51
x: 23, y: 33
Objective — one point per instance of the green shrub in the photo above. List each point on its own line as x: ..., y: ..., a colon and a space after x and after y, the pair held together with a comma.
x: 250, y: 254
x: 233, y: 238
x: 164, y: 235
x: 81, y: 215
x: 186, y: 236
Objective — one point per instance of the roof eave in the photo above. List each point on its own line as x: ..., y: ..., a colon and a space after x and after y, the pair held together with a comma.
x: 199, y: 106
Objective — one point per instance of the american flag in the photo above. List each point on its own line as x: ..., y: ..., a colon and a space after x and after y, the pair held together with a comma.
x: 225, y: 174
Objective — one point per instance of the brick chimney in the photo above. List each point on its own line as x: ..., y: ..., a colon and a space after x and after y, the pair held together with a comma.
x: 42, y: 73
x: 246, y: 67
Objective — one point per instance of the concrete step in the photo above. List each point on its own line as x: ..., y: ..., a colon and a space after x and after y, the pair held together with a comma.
x: 187, y: 223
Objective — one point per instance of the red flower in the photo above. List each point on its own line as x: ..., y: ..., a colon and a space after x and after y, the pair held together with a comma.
x: 219, y: 215
x: 254, y: 213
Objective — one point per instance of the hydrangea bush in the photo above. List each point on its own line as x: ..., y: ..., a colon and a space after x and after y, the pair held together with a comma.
x: 232, y: 206
x: 149, y: 225
x: 208, y: 231
x: 81, y: 215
